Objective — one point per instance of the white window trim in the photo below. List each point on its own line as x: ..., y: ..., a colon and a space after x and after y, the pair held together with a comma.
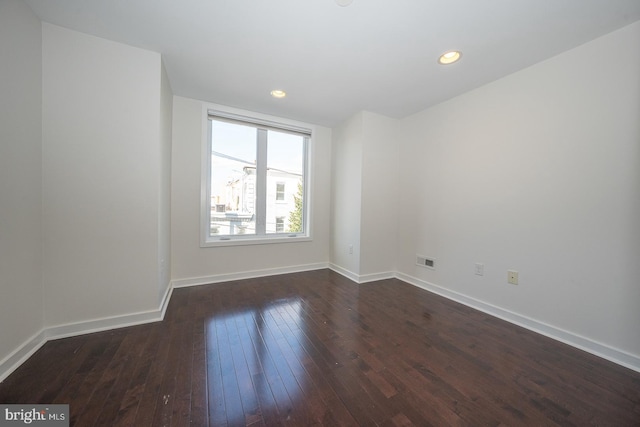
x: 205, y: 182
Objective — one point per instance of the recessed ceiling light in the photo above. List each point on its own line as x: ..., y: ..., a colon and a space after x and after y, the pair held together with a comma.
x: 344, y: 3
x: 449, y: 57
x: 278, y: 93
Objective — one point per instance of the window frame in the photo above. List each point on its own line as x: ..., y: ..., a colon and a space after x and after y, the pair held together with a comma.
x: 261, y: 122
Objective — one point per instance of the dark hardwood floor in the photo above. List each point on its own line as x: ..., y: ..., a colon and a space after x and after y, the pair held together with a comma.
x: 314, y: 348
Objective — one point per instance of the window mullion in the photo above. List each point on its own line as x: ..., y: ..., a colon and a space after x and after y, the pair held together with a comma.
x: 305, y: 183
x: 261, y: 183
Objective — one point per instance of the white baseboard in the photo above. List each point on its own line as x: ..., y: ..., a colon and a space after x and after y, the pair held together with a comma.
x: 252, y: 274
x: 103, y: 324
x: 612, y: 354
x: 364, y: 278
x: 346, y: 273
x: 373, y: 277
x: 21, y: 354
x: 165, y: 300
x: 29, y: 347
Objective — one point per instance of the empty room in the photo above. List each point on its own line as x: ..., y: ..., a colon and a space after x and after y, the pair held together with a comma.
x: 320, y: 213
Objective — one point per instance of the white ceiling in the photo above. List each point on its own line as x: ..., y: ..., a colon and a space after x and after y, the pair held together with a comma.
x: 333, y: 61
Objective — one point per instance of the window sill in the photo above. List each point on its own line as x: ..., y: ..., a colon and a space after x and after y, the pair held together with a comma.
x: 252, y: 240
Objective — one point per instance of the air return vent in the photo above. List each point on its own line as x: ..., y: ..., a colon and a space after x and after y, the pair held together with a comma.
x: 427, y: 262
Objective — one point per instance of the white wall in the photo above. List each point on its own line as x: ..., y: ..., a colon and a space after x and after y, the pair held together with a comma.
x: 101, y: 171
x: 380, y: 209
x: 193, y: 264
x: 346, y: 195
x: 537, y: 172
x: 365, y: 196
x: 20, y: 176
x: 164, y: 184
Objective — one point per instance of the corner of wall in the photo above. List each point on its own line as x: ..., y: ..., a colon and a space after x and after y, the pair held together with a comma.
x: 21, y: 304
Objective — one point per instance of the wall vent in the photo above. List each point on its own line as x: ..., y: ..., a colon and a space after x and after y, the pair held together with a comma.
x: 427, y: 262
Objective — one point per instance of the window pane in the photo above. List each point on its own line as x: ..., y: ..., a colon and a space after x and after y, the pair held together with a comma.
x: 285, y: 166
x: 280, y: 191
x: 233, y: 179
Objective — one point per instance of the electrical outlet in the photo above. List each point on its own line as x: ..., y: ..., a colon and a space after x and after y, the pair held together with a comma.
x: 512, y: 277
x: 350, y: 249
x: 479, y: 269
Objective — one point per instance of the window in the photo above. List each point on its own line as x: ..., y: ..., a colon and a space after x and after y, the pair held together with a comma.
x: 280, y: 191
x: 254, y: 183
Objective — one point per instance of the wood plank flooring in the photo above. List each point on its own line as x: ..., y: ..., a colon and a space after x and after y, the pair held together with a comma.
x: 315, y: 349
